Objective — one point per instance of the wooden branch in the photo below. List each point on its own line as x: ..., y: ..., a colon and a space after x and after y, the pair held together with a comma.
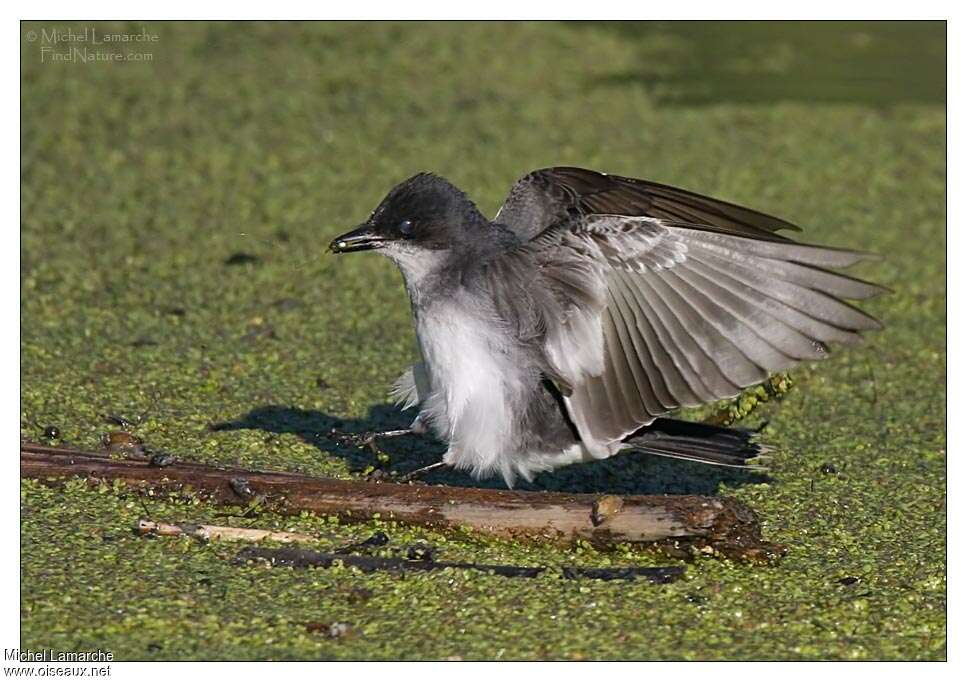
x: 721, y: 523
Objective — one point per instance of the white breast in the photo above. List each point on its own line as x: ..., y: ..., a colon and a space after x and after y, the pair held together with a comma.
x: 475, y: 375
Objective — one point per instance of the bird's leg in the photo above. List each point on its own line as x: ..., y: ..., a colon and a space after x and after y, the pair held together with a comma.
x: 367, y: 438
x: 416, y: 473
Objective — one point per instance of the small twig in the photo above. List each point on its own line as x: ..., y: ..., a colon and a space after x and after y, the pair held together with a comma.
x: 419, y: 558
x: 301, y: 558
x: 869, y: 371
x: 141, y: 501
x: 207, y: 532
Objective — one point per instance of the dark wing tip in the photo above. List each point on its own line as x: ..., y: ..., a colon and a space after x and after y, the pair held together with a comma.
x: 601, y: 192
x: 727, y: 211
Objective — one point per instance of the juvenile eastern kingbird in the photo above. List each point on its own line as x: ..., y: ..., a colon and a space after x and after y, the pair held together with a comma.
x: 563, y: 329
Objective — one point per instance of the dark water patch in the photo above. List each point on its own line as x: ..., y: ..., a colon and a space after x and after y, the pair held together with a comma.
x: 698, y: 63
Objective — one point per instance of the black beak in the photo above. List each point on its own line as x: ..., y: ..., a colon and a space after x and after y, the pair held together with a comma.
x: 363, y: 238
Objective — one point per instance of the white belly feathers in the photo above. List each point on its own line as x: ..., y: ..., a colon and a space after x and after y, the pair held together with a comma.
x: 474, y: 374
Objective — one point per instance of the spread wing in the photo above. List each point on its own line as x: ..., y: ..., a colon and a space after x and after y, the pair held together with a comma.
x: 640, y: 315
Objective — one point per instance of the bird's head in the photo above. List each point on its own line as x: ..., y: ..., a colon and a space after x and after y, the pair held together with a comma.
x: 419, y: 220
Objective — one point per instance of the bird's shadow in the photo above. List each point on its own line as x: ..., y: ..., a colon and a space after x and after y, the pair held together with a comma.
x: 627, y: 473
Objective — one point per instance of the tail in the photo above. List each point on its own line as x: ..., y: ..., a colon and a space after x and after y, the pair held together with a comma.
x: 703, y: 443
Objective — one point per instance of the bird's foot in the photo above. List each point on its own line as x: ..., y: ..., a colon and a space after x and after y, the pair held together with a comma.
x: 367, y: 439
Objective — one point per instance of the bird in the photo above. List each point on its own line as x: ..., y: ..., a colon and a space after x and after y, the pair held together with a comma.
x: 591, y: 307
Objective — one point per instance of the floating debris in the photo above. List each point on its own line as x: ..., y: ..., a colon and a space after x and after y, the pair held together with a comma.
x: 122, y: 442
x: 162, y: 459
x: 241, y: 487
x: 335, y: 630
x: 420, y: 552
x: 377, y: 539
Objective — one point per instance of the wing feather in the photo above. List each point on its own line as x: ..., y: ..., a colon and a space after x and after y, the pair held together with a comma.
x: 701, y: 321
x: 765, y: 341
x: 665, y: 370
x: 648, y: 376
x: 811, y: 302
x: 630, y: 366
x: 547, y: 196
x: 683, y: 345
x: 744, y: 285
x: 679, y: 373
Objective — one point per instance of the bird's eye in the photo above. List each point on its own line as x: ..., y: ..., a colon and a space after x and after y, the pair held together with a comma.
x: 406, y: 228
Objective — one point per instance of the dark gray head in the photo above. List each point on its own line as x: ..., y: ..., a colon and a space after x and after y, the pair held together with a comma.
x: 420, y: 216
